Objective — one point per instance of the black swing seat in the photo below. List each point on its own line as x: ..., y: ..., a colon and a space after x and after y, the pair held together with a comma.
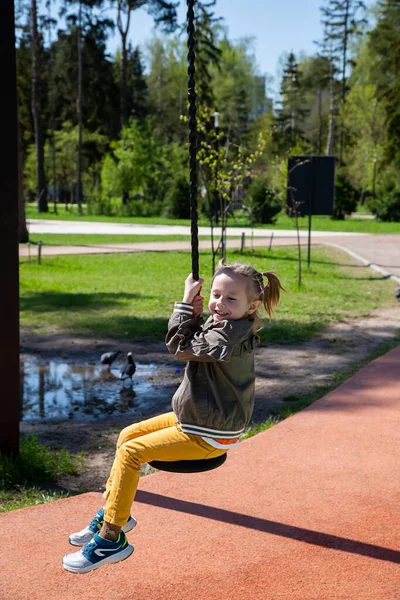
x: 189, y: 466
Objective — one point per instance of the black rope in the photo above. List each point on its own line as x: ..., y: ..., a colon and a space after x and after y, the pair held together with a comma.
x: 192, y: 139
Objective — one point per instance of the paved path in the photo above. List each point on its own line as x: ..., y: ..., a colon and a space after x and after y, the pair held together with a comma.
x: 381, y: 251
x: 102, y: 228
x: 308, y: 510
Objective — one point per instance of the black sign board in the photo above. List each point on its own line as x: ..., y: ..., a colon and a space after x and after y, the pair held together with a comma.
x: 311, y: 182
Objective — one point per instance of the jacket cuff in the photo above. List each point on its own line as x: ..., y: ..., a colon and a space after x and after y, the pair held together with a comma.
x: 183, y: 308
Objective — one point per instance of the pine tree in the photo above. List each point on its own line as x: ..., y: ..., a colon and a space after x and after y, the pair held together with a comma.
x: 292, y: 113
x: 164, y: 14
x: 137, y: 86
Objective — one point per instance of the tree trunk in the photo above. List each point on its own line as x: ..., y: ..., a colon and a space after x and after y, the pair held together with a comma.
x: 37, y: 113
x: 320, y: 123
x: 123, y: 86
x: 123, y: 30
x: 344, y: 64
x: 80, y: 120
x: 331, y: 109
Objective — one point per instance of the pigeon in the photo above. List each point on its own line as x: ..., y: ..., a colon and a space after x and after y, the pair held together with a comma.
x: 128, y: 369
x: 108, y: 358
x: 397, y: 294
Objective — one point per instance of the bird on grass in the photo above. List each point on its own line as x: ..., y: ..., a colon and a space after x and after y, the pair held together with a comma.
x: 127, y: 370
x: 108, y: 358
x: 397, y: 294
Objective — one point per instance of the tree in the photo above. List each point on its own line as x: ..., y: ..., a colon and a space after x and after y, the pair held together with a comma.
x: 37, y: 110
x: 290, y: 120
x: 341, y: 23
x: 384, y: 46
x: 80, y: 21
x: 363, y: 117
x: 315, y: 81
x: 164, y: 14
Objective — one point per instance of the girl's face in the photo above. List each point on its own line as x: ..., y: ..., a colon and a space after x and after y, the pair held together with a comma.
x: 228, y: 298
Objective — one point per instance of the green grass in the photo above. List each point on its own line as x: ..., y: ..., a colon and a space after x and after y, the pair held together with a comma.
x: 63, y: 215
x: 95, y: 240
x: 240, y: 220
x: 131, y: 296
x: 24, y: 479
x: 296, y: 403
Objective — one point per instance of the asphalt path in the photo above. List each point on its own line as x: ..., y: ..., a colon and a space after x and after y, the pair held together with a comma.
x: 381, y: 252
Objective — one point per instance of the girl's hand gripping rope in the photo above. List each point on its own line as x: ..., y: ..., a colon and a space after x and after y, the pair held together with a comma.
x: 192, y: 294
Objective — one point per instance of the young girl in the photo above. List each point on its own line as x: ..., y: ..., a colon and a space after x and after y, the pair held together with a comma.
x: 211, y: 407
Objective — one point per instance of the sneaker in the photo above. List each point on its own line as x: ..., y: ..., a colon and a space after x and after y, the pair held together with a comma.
x: 85, y: 536
x: 97, y: 553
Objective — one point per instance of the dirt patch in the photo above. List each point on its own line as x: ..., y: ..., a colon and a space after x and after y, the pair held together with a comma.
x: 282, y: 371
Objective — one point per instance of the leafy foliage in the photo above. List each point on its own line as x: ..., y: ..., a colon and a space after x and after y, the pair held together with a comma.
x: 262, y: 202
x: 345, y: 196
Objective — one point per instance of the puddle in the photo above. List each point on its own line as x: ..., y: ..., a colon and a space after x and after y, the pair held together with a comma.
x: 66, y: 391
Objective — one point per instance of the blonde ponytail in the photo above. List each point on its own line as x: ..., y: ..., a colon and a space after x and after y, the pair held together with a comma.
x: 271, y: 292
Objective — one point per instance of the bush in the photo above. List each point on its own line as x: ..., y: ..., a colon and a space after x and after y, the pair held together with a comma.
x: 346, y: 196
x: 386, y: 206
x: 262, y: 201
x: 177, y: 201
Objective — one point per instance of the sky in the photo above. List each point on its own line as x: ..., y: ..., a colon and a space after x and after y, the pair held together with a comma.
x: 277, y: 26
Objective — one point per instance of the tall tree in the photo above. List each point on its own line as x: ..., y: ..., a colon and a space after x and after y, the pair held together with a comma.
x: 384, y: 45
x: 293, y: 112
x: 315, y: 81
x: 342, y: 21
x: 83, y: 19
x: 37, y: 110
x: 208, y: 53
x: 164, y: 14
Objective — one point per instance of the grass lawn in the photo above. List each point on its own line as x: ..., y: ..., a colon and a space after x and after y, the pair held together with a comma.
x: 24, y: 479
x: 94, y: 240
x: 131, y: 296
x: 319, y: 223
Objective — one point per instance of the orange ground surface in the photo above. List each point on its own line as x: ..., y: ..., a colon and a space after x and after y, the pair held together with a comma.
x: 308, y: 510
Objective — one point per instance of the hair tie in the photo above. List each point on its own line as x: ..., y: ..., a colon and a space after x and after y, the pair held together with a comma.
x: 262, y: 288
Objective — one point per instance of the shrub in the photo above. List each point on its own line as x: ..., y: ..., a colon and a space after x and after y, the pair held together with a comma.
x: 346, y: 196
x: 262, y: 201
x: 386, y: 206
x: 177, y: 201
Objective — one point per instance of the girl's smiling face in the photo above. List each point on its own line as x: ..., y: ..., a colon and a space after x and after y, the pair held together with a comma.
x: 228, y: 298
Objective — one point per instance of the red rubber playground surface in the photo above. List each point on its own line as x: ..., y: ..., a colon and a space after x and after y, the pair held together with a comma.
x: 307, y: 510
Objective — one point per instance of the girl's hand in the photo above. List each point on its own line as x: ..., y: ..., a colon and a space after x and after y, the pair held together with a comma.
x: 198, y: 306
x: 192, y: 288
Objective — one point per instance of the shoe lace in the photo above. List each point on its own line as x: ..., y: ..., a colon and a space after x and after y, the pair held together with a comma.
x: 97, y: 521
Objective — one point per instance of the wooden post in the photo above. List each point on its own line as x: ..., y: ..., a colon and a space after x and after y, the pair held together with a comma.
x: 243, y: 242
x: 9, y: 301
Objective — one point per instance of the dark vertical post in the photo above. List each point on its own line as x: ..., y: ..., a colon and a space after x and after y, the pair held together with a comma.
x: 310, y: 208
x: 9, y: 300
x: 192, y: 138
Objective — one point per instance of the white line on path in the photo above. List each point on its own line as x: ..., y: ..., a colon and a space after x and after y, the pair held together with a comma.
x: 365, y: 261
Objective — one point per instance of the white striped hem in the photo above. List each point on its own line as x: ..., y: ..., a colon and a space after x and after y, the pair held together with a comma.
x: 183, y: 308
x: 212, y: 433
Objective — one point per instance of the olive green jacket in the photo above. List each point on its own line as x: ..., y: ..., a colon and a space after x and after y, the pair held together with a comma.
x: 216, y: 396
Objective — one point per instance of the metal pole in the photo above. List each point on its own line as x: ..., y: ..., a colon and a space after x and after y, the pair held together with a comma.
x: 9, y: 329
x: 192, y: 138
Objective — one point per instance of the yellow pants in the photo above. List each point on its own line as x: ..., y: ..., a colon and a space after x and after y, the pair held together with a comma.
x: 159, y: 438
